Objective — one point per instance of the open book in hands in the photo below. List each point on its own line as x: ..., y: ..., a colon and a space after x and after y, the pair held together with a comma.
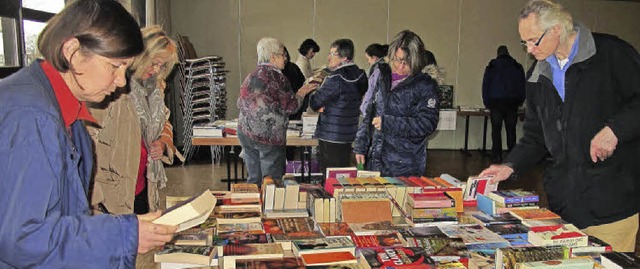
x: 188, y: 213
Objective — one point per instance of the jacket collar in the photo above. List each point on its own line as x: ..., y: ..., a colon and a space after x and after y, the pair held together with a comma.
x: 586, y: 50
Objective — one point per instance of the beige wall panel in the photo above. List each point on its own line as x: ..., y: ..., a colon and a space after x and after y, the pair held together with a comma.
x: 212, y: 27
x: 290, y: 21
x: 362, y: 21
x: 619, y: 18
x: 436, y: 22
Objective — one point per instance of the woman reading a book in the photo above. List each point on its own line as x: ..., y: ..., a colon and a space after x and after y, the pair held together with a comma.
x: 135, y: 129
x: 401, y: 114
x: 46, y: 154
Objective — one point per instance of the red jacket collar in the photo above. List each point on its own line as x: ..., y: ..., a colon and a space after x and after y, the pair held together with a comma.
x: 71, y: 108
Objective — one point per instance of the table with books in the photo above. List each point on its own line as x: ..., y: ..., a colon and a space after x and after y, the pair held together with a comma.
x: 380, y: 222
x: 232, y: 149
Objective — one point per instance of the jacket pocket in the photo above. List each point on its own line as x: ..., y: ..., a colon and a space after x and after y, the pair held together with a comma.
x: 611, y: 190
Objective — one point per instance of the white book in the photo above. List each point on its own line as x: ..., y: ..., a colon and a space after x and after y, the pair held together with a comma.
x: 190, y: 212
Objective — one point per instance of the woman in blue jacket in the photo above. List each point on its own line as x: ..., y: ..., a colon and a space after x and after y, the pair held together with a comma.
x: 46, y: 154
x: 402, y: 113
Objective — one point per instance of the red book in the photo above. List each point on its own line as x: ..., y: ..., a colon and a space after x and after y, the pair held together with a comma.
x: 430, y: 200
x: 328, y: 258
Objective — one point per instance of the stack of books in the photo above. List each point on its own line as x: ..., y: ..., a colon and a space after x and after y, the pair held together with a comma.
x: 429, y: 209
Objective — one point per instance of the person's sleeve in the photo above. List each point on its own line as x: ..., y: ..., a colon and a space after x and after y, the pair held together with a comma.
x: 32, y: 232
x: 166, y: 136
x: 486, y: 81
x: 422, y: 122
x: 522, y: 85
x: 531, y: 148
x: 626, y: 69
x: 328, y: 92
x: 363, y: 136
x: 373, y: 79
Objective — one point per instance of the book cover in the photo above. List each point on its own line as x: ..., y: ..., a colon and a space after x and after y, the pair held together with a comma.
x: 365, y: 210
x: 562, y: 234
x: 574, y: 263
x: 594, y: 245
x: 253, y: 227
x: 241, y: 237
x: 342, y: 172
x: 536, y: 214
x: 481, y: 185
x: 446, y: 212
x: 508, y: 228
x: 189, y: 238
x: 366, y: 174
x: 316, y: 259
x: 396, y: 257
x: 442, y: 248
x: 430, y: 200
x: 185, y: 254
x: 472, y: 234
x: 513, y: 196
x: 377, y: 240
x: 284, y: 263
x: 296, y: 228
x: 188, y: 213
x: 286, y: 213
x: 433, y: 231
x: 502, y: 218
x: 251, y: 251
x: 245, y: 190
x: 335, y: 229
x: 488, y: 249
x: 237, y: 217
x: 509, y: 257
x: 371, y: 228
x: 323, y: 245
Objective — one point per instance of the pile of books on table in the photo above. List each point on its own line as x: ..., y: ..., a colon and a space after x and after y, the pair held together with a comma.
x: 347, y: 226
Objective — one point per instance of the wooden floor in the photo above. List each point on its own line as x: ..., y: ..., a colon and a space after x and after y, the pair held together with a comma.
x: 199, y: 174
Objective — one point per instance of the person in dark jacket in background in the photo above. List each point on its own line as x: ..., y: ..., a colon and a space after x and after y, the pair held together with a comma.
x: 338, y: 98
x: 583, y: 102
x: 374, y: 54
x: 296, y: 78
x: 46, y: 153
x: 403, y: 112
x: 502, y: 93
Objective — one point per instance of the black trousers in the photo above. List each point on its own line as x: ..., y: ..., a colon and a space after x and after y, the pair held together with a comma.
x: 141, y: 202
x: 333, y: 155
x: 506, y: 112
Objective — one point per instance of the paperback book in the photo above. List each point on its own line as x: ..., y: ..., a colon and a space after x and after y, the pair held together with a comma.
x: 396, y: 257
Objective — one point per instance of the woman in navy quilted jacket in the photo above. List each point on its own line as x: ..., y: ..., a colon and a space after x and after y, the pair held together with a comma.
x: 402, y: 113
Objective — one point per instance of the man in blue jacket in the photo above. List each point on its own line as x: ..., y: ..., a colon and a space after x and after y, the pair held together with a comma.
x: 583, y: 102
x: 502, y: 93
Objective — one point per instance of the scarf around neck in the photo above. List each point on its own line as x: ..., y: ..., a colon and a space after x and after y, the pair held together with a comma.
x: 149, y: 104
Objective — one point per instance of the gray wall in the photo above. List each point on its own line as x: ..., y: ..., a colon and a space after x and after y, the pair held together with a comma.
x: 463, y: 34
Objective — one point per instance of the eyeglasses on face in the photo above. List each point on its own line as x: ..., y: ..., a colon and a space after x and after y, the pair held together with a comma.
x: 334, y: 54
x: 159, y: 66
x: 530, y: 42
x: 400, y: 61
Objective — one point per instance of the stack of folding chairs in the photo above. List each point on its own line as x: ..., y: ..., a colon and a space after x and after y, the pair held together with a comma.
x: 203, y: 93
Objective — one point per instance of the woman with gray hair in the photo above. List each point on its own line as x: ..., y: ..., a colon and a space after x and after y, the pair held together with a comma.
x: 265, y: 103
x: 402, y: 113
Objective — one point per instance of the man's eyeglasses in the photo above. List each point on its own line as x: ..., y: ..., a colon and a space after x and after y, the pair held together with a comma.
x: 529, y: 42
x: 334, y: 54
